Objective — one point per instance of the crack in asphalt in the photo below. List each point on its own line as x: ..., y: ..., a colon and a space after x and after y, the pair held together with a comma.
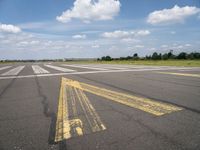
x: 151, y: 130
x: 130, y: 118
x: 7, y: 87
x: 1, y: 94
x: 52, y: 115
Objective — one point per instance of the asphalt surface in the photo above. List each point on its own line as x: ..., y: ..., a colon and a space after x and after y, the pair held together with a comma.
x: 29, y: 107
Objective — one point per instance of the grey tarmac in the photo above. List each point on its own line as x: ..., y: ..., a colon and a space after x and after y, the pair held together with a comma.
x: 29, y: 109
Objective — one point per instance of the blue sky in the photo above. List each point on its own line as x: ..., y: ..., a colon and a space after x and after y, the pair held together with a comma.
x: 36, y: 29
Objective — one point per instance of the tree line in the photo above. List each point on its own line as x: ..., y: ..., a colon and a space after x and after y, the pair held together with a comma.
x: 156, y: 56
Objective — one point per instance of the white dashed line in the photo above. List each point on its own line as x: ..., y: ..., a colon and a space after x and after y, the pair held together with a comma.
x: 6, y: 67
x: 85, y: 67
x: 14, y: 71
x: 59, y: 68
x: 107, y: 67
x: 85, y: 72
x: 39, y: 70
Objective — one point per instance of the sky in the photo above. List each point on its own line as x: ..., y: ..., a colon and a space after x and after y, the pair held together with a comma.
x: 52, y: 29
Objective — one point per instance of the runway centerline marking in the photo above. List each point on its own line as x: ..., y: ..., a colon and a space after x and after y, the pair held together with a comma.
x: 145, y: 104
x: 181, y: 74
x: 73, y: 122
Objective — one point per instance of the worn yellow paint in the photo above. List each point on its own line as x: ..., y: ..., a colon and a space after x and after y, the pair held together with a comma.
x: 181, y: 74
x: 70, y: 125
x: 142, y: 103
x: 77, y: 125
x: 62, y: 123
x: 92, y: 117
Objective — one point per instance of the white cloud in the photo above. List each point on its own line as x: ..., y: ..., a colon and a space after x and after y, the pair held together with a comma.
x: 79, y: 36
x: 117, y: 34
x: 173, y: 32
x: 139, y: 46
x: 174, y: 15
x: 130, y: 40
x: 9, y: 28
x: 125, y: 34
x: 164, y: 46
x: 89, y: 10
x: 34, y: 42
x: 152, y: 49
x: 95, y: 46
x: 188, y: 45
x: 180, y: 46
x: 142, y: 32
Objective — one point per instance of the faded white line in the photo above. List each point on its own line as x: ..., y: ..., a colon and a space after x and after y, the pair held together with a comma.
x: 6, y: 67
x: 14, y: 71
x: 106, y: 67
x: 85, y: 67
x: 85, y: 72
x: 59, y: 68
x: 39, y: 70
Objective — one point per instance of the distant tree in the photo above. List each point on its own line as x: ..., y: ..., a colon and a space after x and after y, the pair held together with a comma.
x: 159, y: 56
x: 155, y: 56
x: 182, y: 55
x: 165, y: 56
x: 190, y: 56
x: 122, y: 58
x: 196, y: 55
x: 148, y: 57
x: 170, y: 54
x: 135, y: 56
x: 129, y: 57
x: 108, y: 58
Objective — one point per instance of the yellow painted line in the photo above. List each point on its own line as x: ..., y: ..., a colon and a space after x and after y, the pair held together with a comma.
x: 62, y: 123
x: 69, y: 123
x: 144, y: 104
x: 181, y: 74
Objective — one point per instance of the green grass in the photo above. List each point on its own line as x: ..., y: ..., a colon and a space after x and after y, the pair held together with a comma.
x: 6, y: 62
x: 187, y: 63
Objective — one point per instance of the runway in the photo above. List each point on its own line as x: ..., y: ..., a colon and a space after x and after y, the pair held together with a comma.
x: 99, y: 106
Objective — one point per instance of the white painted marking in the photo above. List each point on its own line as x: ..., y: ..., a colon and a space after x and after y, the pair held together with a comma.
x: 14, y: 71
x: 86, y: 72
x: 39, y: 70
x: 106, y: 67
x: 6, y: 67
x: 59, y: 68
x: 85, y: 67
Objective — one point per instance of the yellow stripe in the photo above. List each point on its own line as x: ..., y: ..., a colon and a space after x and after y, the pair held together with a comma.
x: 145, y: 104
x: 62, y: 123
x: 181, y: 74
x: 70, y: 125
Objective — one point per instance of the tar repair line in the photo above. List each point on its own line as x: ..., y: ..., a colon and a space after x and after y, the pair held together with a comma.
x: 142, y: 103
x: 74, y: 124
x: 85, y: 72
